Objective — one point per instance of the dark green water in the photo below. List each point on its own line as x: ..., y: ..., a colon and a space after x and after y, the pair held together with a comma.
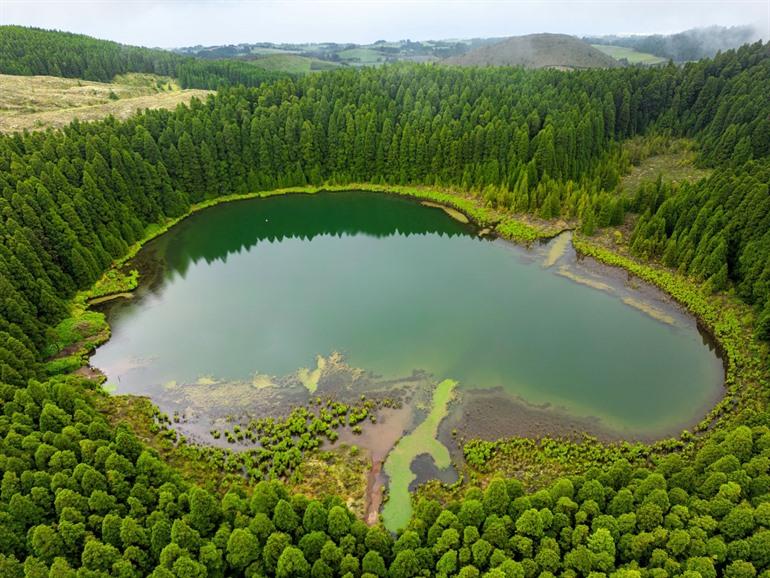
x: 264, y: 286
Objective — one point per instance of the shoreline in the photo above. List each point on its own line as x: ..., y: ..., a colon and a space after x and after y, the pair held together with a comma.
x: 479, y: 216
x: 502, y: 225
x: 508, y: 227
x: 729, y: 336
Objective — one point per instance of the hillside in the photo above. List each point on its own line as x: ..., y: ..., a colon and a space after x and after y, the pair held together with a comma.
x: 537, y: 51
x: 40, y: 102
x: 33, y: 51
x: 349, y: 54
x: 292, y: 63
x: 630, y: 55
x: 37, y: 52
x: 685, y: 46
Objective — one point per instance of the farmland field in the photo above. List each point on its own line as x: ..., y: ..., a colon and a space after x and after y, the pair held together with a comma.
x: 293, y: 63
x: 633, y: 56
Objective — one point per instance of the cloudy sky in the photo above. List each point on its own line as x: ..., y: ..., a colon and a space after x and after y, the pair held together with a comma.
x: 171, y: 23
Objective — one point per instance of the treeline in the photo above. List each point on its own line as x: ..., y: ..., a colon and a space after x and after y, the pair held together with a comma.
x: 73, y: 201
x: 690, y: 45
x: 214, y: 74
x: 81, y: 499
x: 77, y: 494
x: 718, y: 230
x: 33, y: 51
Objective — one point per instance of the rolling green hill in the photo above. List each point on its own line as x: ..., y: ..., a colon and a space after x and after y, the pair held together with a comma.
x: 346, y: 54
x: 537, y: 51
x: 292, y: 63
x: 683, y: 46
x: 629, y: 54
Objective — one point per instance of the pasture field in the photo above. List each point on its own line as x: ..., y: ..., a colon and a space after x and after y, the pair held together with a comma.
x: 633, y: 56
x: 293, y: 63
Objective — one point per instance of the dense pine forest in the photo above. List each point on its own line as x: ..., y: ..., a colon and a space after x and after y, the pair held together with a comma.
x: 82, y: 498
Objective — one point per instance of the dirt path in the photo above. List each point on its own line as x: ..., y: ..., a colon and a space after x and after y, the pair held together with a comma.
x: 375, y: 487
x: 377, y: 440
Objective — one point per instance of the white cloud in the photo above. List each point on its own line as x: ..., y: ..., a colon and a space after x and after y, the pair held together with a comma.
x: 170, y: 23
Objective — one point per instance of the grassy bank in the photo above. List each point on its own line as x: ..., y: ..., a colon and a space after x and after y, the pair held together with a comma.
x: 729, y: 321
x: 317, y: 475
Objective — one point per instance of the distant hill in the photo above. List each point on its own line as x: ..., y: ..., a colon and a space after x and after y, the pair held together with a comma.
x: 537, y: 51
x: 346, y: 54
x: 630, y: 56
x: 692, y: 44
x: 292, y: 63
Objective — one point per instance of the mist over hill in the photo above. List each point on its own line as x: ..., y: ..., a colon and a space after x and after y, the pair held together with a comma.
x: 692, y: 44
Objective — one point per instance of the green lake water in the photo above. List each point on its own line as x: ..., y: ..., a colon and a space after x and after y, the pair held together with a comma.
x: 264, y: 286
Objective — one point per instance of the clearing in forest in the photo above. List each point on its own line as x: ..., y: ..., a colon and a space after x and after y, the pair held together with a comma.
x: 40, y: 102
x: 676, y: 165
x: 631, y: 55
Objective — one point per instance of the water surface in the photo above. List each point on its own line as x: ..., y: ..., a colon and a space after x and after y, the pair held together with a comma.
x: 264, y: 286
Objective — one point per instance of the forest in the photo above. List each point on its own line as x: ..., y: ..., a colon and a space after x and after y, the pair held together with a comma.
x: 32, y: 51
x: 80, y: 497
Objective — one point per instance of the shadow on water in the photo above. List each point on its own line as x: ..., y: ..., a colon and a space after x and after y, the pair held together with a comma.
x: 275, y: 219
x: 240, y: 225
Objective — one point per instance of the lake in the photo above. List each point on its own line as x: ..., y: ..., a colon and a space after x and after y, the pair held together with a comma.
x: 249, y: 308
x: 251, y: 292
x: 262, y: 287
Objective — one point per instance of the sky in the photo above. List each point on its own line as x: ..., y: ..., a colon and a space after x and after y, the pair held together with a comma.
x: 176, y: 23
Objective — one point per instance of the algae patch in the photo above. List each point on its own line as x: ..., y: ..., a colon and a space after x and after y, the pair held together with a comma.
x: 262, y: 381
x: 557, y: 248
x: 422, y: 440
x: 309, y: 377
x: 650, y: 310
x: 572, y: 276
x: 454, y: 213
